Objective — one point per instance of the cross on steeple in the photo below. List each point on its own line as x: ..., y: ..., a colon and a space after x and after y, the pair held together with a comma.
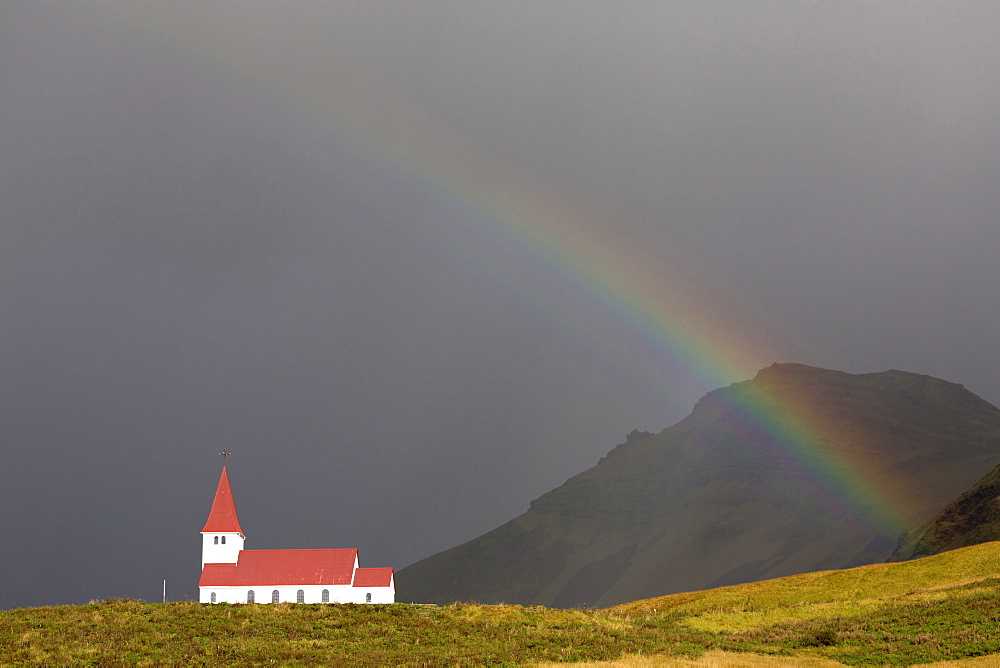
x: 225, y: 453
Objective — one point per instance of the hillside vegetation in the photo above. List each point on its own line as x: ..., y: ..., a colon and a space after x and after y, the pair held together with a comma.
x: 972, y: 518
x: 940, y: 608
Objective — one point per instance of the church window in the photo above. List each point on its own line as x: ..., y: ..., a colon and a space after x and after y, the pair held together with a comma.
x: 275, y: 597
x: 368, y: 597
x: 223, y: 540
x: 250, y: 596
x: 326, y: 595
x: 213, y: 597
x: 216, y: 540
x: 300, y: 596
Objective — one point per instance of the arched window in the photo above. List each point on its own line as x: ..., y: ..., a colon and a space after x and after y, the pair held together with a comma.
x: 250, y: 596
x: 368, y: 597
x: 223, y: 540
x: 213, y: 597
x: 216, y: 540
x: 275, y: 597
x: 300, y: 596
x: 326, y: 595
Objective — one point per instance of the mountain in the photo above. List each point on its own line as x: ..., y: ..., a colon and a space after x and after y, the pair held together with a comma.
x: 759, y: 481
x: 972, y: 518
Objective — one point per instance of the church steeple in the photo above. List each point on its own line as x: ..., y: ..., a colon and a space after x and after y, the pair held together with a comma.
x: 222, y: 538
x: 223, y: 518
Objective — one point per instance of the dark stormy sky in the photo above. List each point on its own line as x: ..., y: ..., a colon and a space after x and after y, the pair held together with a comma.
x: 416, y: 263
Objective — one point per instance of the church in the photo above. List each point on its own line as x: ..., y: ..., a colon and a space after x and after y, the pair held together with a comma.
x: 230, y: 574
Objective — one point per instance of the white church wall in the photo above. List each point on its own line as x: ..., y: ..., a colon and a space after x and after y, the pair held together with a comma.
x: 310, y: 594
x: 222, y: 594
x: 379, y: 594
x: 220, y: 548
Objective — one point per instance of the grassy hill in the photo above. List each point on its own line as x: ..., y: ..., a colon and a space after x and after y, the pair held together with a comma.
x: 940, y: 608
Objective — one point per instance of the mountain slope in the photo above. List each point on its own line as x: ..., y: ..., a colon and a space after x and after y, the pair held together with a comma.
x: 970, y: 519
x: 721, y: 497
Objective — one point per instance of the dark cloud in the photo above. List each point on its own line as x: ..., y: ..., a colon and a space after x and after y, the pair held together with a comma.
x: 191, y: 261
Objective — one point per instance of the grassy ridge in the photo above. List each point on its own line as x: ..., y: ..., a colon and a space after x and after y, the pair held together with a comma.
x: 940, y: 608
x: 134, y: 632
x: 934, y: 609
x: 876, y: 582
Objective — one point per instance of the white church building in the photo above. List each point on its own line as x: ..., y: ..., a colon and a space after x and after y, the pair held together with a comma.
x: 230, y: 574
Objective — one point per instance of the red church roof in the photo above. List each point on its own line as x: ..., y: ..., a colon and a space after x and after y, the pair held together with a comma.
x: 222, y: 518
x: 256, y: 568
x: 373, y: 577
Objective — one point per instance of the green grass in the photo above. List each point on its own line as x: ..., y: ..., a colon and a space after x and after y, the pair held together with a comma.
x: 940, y: 608
x: 880, y: 581
x: 934, y: 609
x: 135, y: 633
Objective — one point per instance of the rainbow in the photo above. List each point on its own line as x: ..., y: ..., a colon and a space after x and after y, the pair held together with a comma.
x: 674, y: 323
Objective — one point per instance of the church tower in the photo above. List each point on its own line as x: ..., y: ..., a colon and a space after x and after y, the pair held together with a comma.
x: 222, y: 538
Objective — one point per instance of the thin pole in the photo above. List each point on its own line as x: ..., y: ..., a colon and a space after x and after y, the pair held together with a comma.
x: 164, y: 591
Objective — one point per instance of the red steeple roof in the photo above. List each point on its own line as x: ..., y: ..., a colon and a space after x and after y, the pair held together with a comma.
x: 223, y: 517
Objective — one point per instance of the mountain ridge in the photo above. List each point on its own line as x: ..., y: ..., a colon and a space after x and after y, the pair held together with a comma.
x: 716, y: 499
